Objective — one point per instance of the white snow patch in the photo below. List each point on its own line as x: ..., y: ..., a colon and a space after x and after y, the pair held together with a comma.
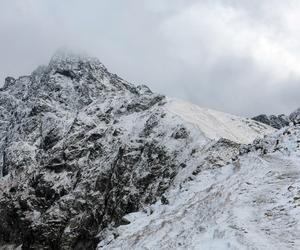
x: 216, y: 124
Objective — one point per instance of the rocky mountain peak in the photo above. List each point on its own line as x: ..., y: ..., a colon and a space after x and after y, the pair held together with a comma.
x: 74, y: 80
x: 80, y: 148
x: 68, y: 55
x: 70, y: 63
x: 76, y: 152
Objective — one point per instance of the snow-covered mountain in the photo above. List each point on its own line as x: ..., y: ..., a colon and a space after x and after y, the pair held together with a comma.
x: 90, y: 161
x: 251, y: 203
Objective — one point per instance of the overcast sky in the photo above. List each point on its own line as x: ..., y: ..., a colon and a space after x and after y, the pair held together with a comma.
x: 239, y: 56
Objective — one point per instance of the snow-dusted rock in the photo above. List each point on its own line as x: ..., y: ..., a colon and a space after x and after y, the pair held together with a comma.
x: 279, y: 121
x: 295, y: 116
x: 80, y: 148
x: 275, y: 121
x: 251, y: 203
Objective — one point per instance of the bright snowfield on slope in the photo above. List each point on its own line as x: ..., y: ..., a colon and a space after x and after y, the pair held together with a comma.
x: 253, y: 203
x: 216, y: 124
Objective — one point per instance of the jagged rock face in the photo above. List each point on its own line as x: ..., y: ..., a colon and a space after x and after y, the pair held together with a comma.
x: 79, y: 149
x: 274, y: 121
x: 251, y: 202
x: 295, y: 116
x: 279, y: 121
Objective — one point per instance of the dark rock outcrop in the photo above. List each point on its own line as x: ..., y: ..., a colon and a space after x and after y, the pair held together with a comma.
x: 80, y: 148
x: 295, y: 116
x: 274, y: 121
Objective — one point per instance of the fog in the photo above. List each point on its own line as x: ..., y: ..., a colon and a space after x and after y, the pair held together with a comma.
x: 237, y: 56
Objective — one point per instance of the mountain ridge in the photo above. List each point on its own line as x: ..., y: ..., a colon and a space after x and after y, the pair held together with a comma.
x: 81, y: 148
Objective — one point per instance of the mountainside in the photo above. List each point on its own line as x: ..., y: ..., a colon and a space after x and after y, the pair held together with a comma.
x: 88, y: 160
x: 251, y: 203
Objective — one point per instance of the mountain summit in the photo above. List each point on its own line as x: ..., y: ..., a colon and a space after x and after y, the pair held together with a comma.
x: 88, y: 160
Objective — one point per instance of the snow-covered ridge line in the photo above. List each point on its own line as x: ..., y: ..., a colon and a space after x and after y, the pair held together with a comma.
x: 216, y: 124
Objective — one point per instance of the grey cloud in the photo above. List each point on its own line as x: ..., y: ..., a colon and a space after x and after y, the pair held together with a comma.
x: 222, y: 54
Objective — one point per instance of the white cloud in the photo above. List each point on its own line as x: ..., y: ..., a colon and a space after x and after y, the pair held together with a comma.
x: 238, y: 56
x: 205, y: 32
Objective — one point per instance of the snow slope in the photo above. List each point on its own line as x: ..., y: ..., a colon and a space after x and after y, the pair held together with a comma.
x: 216, y: 124
x: 251, y: 203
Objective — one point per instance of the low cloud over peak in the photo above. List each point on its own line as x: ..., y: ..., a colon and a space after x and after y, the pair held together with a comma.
x: 236, y: 56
